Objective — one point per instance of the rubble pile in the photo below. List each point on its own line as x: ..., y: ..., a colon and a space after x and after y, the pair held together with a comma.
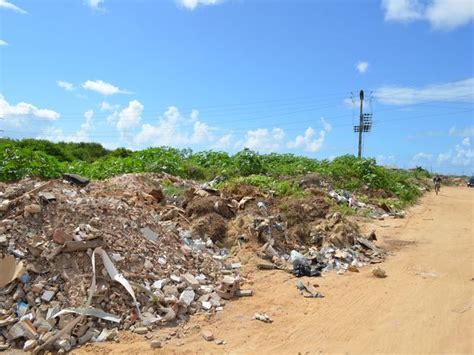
x: 81, y: 260
x: 329, y: 257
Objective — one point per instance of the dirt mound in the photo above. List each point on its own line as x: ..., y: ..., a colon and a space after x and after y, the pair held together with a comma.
x: 200, y: 206
x: 211, y: 225
x: 305, y: 210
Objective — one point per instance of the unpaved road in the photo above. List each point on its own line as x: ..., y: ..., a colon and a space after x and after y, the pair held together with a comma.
x: 425, y: 305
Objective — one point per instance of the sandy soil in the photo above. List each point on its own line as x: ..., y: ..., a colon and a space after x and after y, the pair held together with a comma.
x: 425, y: 305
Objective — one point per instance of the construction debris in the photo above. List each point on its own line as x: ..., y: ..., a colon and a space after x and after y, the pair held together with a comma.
x: 262, y: 317
x: 207, y: 335
x: 82, y: 260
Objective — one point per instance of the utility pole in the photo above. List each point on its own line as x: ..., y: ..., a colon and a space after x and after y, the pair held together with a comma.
x: 361, y: 123
x: 365, y: 123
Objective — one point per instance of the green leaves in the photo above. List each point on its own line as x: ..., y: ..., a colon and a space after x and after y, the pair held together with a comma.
x: 274, y: 171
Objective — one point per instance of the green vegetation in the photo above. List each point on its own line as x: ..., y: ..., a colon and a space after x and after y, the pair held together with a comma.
x: 276, y: 172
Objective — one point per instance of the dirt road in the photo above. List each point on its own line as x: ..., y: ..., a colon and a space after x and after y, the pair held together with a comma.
x: 425, y: 305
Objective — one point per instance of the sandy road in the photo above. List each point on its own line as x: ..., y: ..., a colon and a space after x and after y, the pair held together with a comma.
x: 425, y: 305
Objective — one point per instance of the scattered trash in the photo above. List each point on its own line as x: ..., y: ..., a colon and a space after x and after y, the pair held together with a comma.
x: 262, y: 317
x: 307, y: 292
x: 11, y: 270
x: 372, y: 236
x: 76, y: 179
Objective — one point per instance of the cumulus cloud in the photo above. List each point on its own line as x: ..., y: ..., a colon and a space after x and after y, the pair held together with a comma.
x: 10, y: 6
x: 462, y: 155
x: 362, y: 67
x: 56, y: 134
x: 441, y: 14
x: 25, y: 110
x: 262, y: 139
x: 65, y: 85
x: 464, y: 132
x: 103, y: 88
x: 192, y: 4
x: 130, y: 116
x: 173, y: 129
x: 223, y: 142
x: 310, y: 140
x: 456, y: 91
x: 3, y: 43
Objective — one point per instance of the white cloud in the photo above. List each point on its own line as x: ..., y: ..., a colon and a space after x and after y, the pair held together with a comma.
x: 309, y: 141
x: 262, y: 140
x: 362, y: 67
x: 443, y: 157
x: 441, y: 14
x: 402, y: 10
x: 130, y: 116
x: 192, y: 4
x: 224, y: 142
x: 422, y: 156
x: 25, y: 110
x: 8, y: 5
x: 82, y: 135
x: 65, y: 85
x: 462, y: 155
x: 449, y: 14
x: 175, y: 130
x: 95, y: 4
x: 103, y: 88
x: 465, y: 132
x: 3, y: 43
x: 457, y: 91
x: 106, y: 106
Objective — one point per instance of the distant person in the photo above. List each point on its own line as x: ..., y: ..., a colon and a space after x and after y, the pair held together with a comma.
x: 437, y: 183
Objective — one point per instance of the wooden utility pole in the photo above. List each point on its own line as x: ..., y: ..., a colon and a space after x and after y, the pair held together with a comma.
x: 361, y: 123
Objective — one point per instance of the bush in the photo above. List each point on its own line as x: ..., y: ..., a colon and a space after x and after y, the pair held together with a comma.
x: 30, y: 157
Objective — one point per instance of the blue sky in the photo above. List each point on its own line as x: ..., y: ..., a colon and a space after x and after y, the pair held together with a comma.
x: 274, y: 76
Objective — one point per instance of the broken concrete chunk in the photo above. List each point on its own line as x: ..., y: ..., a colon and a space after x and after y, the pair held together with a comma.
x: 149, y: 234
x: 206, y: 305
x: 207, y: 335
x: 155, y: 344
x: 141, y: 330
x: 29, y: 345
x: 46, y: 197
x: 175, y: 278
x: 47, y: 295
x: 73, y: 245
x: 244, y: 293
x: 60, y: 236
x: 262, y: 317
x: 33, y: 208
x: 190, y: 281
x: 186, y: 297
